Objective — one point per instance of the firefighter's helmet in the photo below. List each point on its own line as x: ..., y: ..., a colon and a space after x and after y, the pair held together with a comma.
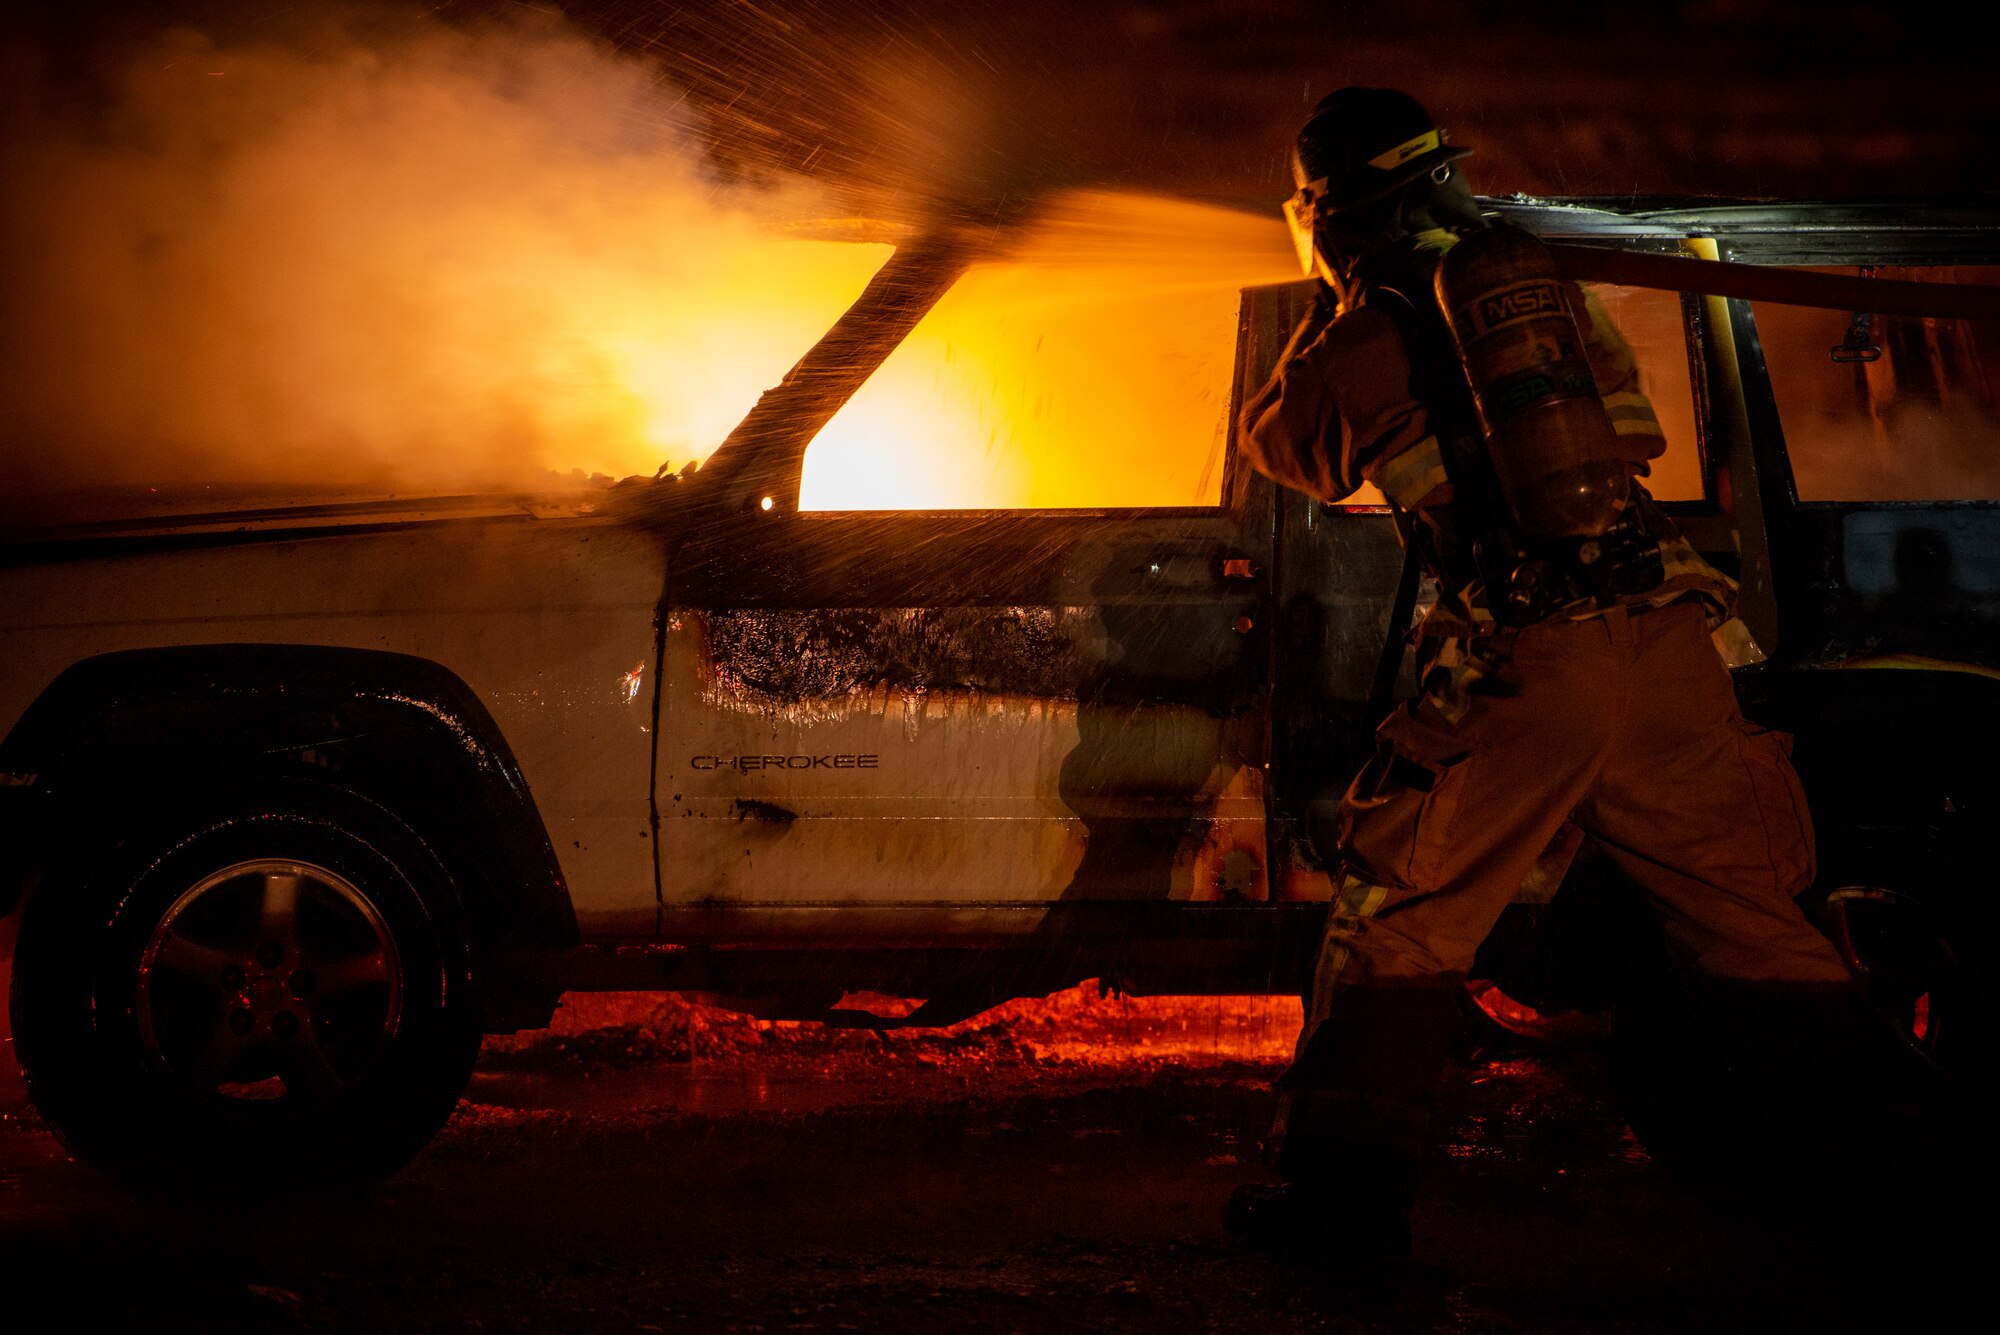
x: 1360, y: 145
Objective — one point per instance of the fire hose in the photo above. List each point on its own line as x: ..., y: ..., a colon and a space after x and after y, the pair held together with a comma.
x: 1786, y: 287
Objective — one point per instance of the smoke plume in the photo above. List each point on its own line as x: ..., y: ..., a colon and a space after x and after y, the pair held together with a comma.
x: 429, y: 258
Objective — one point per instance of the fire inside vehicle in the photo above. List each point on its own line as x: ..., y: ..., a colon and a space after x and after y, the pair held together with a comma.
x: 301, y: 800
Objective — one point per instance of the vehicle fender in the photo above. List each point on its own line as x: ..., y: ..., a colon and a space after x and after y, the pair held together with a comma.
x: 405, y: 732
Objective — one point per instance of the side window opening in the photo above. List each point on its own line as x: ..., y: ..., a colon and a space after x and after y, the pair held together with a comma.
x: 1655, y: 325
x: 1090, y: 367
x: 1909, y: 412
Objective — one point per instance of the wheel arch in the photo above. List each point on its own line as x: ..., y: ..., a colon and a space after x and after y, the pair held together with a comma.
x: 405, y: 732
x: 1891, y: 742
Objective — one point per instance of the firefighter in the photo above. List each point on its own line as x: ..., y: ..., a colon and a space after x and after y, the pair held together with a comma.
x: 1573, y: 669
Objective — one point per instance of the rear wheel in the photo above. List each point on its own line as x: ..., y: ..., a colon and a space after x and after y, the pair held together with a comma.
x: 1839, y: 1091
x: 1897, y: 913
x: 262, y: 991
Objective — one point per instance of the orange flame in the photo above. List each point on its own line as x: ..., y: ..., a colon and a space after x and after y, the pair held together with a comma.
x: 1090, y: 366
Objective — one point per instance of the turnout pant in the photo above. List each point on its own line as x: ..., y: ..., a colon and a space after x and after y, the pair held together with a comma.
x: 1626, y: 724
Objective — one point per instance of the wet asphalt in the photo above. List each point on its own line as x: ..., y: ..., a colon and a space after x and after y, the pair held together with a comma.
x: 717, y: 1175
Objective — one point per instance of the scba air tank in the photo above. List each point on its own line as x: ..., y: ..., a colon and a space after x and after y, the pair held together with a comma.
x: 1551, y: 441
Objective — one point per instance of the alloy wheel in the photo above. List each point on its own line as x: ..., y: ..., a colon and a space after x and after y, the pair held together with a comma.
x: 269, y: 980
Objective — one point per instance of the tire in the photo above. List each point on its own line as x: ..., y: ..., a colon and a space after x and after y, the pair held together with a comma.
x: 1886, y: 1075
x: 1899, y: 912
x: 262, y: 989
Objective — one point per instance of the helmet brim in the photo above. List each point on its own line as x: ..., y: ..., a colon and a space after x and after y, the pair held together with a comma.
x: 1388, y: 182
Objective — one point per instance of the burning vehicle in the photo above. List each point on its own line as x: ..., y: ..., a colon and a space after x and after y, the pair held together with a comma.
x: 302, y: 800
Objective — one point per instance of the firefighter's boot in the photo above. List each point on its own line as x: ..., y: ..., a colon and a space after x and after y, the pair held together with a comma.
x: 1350, y: 1177
x: 1354, y: 1125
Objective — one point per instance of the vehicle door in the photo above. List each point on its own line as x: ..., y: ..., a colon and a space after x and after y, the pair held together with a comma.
x: 1003, y: 646
x: 1878, y: 439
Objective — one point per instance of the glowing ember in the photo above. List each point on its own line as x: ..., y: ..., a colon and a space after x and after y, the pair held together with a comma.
x: 1079, y: 1026
x: 1525, y: 1021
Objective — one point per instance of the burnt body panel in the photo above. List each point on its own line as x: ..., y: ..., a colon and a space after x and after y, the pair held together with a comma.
x: 779, y: 657
x: 1050, y: 604
x: 1011, y: 707
x: 965, y: 558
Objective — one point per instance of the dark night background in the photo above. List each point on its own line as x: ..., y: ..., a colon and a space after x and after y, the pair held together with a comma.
x: 976, y: 1181
x: 980, y: 103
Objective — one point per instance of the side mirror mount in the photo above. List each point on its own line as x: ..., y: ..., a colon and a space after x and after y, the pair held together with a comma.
x: 1858, y: 344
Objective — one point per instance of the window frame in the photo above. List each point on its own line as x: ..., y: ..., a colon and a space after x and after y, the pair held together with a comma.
x: 1777, y: 457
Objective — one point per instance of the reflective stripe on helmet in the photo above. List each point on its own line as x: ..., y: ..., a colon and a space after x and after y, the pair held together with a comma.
x: 1403, y: 152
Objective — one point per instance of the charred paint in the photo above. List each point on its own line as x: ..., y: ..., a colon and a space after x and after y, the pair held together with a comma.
x: 751, y: 809
x: 766, y: 658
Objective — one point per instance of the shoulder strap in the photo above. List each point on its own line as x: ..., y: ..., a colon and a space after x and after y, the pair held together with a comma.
x: 1433, y: 389
x: 1396, y: 643
x: 1439, y: 380
x: 1482, y: 539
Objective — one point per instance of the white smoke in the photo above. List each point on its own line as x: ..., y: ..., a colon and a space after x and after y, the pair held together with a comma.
x: 438, y: 258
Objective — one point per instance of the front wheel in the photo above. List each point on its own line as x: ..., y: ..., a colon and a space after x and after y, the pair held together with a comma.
x: 263, y: 991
